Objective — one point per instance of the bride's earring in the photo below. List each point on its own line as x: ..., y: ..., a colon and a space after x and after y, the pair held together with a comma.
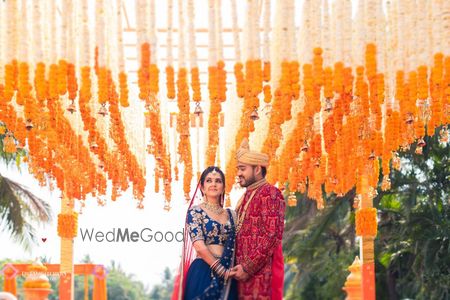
x: 205, y: 199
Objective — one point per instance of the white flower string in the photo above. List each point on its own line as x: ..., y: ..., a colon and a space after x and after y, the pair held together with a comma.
x: 236, y: 40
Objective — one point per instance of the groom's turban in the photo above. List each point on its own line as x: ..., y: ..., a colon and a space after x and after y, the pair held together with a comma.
x: 245, y: 156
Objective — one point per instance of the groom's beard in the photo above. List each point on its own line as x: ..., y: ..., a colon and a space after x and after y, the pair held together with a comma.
x: 247, y: 181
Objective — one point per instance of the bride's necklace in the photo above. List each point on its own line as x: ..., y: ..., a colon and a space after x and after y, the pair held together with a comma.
x: 215, y: 208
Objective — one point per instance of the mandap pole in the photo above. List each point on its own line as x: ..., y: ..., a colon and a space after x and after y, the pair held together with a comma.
x: 66, y: 284
x: 367, y: 220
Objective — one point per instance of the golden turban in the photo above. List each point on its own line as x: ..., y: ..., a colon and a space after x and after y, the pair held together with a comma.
x: 245, y: 156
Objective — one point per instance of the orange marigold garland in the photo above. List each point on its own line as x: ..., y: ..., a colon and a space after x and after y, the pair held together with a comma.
x: 72, y: 85
x: 68, y: 225
x: 144, y: 72
x: 240, y: 81
x: 170, y: 82
x: 62, y: 76
x: 366, y: 221
x: 123, y: 84
x: 195, y: 83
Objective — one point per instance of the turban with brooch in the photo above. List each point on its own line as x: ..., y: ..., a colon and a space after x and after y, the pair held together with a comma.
x: 246, y: 156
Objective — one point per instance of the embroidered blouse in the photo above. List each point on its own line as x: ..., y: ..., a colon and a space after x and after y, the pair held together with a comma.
x: 202, y: 227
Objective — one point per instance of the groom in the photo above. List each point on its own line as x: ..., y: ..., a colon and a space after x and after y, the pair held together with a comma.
x: 260, y: 226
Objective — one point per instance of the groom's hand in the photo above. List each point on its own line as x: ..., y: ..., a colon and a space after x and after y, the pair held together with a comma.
x: 240, y: 274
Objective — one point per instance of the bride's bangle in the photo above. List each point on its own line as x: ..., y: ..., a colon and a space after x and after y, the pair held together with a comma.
x: 214, y: 264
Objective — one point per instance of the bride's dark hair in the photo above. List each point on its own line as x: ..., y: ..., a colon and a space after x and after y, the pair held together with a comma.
x: 208, y: 170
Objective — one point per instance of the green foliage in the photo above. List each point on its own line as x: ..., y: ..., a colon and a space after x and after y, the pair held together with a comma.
x: 411, y: 249
x: 163, y: 291
x: 319, y: 246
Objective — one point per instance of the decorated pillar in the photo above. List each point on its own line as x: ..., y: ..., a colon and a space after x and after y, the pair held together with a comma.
x: 36, y: 285
x: 366, y: 228
x: 9, y: 283
x: 67, y: 230
x: 352, y: 285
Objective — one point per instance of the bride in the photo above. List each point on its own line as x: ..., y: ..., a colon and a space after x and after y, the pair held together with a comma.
x: 210, y: 230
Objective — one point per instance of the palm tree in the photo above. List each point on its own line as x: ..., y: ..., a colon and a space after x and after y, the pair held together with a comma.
x: 20, y: 209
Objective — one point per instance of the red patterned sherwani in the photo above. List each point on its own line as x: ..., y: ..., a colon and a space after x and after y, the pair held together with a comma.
x: 258, y: 244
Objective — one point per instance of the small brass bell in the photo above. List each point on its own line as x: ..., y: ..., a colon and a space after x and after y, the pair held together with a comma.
x: 421, y: 143
x: 167, y: 206
x: 292, y: 200
x: 305, y: 147
x: 71, y: 108
x: 328, y: 105
x: 254, y: 115
x: 409, y: 119
x: 102, y: 111
x: 29, y: 125
x: 198, y: 109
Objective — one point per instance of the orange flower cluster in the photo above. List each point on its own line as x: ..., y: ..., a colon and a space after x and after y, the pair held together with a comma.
x: 103, y: 88
x: 69, y: 152
x: 328, y: 83
x: 117, y: 133
x: 371, y: 61
x: 123, y: 84
x: 212, y: 82
x: 391, y: 140
x: 109, y: 160
x: 267, y: 93
x: 240, y: 81
x: 40, y: 83
x: 24, y: 86
x: 68, y: 225
x: 183, y: 126
x: 422, y: 73
x: 144, y: 72
x: 62, y: 76
x: 154, y: 80
x: 366, y: 221
x: 249, y: 88
x: 10, y: 80
x: 281, y: 111
x: 221, y: 81
x: 317, y: 65
x: 72, y: 85
x: 217, y: 94
x: 266, y: 71
x: 436, y: 87
x: 195, y: 83
x: 163, y: 169
x: 170, y: 82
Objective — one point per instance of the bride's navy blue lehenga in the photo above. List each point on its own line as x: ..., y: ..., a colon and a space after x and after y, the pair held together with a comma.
x: 201, y: 281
